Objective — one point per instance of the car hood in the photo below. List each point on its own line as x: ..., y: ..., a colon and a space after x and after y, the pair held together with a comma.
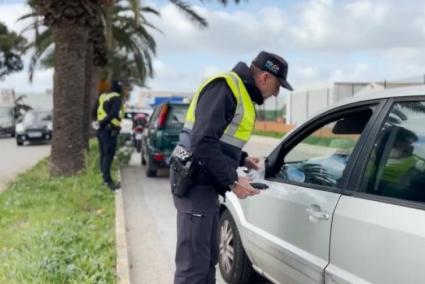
x: 35, y: 124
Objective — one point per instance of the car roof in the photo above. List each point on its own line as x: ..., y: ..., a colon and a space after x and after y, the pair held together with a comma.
x: 411, y: 91
x: 418, y: 90
x: 173, y: 104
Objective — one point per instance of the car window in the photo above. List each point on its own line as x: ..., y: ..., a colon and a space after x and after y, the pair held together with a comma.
x: 154, y: 117
x: 322, y: 156
x: 177, y: 115
x: 396, y: 167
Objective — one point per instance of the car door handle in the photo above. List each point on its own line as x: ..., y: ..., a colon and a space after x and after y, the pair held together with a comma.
x: 315, y: 212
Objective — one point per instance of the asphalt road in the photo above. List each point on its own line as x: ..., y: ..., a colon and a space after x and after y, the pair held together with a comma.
x: 15, y: 160
x: 151, y: 220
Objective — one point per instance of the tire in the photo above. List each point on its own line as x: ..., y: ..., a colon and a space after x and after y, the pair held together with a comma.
x: 239, y: 270
x: 12, y: 134
x: 138, y: 146
x: 151, y: 170
x: 142, y: 156
x: 19, y: 142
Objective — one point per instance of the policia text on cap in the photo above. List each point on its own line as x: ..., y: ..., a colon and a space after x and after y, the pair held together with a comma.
x: 219, y: 122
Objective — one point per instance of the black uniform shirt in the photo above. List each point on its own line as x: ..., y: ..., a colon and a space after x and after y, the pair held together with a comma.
x: 214, y: 112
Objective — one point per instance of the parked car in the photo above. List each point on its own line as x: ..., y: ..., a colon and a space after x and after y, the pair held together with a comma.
x: 7, y: 120
x: 161, y: 136
x: 344, y: 199
x: 35, y: 126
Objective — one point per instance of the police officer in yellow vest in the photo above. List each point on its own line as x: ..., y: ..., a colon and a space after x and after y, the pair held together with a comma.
x: 219, y: 122
x: 110, y: 112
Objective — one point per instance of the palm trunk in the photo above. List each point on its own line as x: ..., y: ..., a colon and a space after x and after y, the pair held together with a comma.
x: 67, y: 154
x: 95, y: 78
x: 109, y: 39
x: 87, y: 95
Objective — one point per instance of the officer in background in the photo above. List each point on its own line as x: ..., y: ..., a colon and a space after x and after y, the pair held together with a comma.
x: 110, y: 112
x: 219, y: 122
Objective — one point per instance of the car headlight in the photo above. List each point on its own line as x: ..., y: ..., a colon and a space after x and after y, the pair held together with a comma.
x: 50, y: 126
x: 20, y: 128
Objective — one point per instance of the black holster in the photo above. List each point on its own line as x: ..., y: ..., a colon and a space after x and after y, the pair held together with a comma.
x: 184, y: 170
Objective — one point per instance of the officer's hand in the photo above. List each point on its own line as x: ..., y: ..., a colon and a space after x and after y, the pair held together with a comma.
x: 252, y: 163
x: 243, y: 189
x: 95, y: 125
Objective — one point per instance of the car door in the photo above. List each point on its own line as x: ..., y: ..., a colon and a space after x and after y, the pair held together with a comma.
x: 378, y: 231
x: 290, y: 222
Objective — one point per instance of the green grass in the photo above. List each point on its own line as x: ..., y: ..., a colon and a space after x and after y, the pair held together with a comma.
x: 342, y: 143
x: 273, y: 134
x: 57, y: 230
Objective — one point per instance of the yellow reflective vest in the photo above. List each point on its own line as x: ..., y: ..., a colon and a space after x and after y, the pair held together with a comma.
x: 240, y: 129
x: 101, y: 113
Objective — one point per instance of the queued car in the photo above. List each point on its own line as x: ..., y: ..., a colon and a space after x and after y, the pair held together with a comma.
x: 7, y: 120
x: 342, y: 199
x: 36, y: 125
x: 161, y: 135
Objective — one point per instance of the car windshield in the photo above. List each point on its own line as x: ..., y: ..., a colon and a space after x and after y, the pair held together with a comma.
x: 37, y: 117
x: 177, y: 114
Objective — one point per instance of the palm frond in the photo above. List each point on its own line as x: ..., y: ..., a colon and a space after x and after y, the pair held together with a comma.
x: 190, y: 13
x: 33, y: 14
x: 150, y: 10
x: 224, y: 2
x: 135, y: 6
x: 40, y: 44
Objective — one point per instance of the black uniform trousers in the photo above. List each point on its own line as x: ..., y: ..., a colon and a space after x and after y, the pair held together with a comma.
x: 107, y: 147
x: 197, y: 248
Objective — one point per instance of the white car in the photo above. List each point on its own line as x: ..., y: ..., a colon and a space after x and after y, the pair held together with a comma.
x: 345, y: 199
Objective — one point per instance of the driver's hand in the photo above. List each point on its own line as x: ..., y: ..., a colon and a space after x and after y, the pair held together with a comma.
x: 243, y: 189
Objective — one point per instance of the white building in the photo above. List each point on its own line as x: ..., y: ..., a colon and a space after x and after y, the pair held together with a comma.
x: 304, y: 104
x: 147, y: 98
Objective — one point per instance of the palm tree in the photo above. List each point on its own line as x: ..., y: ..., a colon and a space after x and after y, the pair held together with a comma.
x: 70, y: 23
x: 128, y: 36
x: 72, y: 26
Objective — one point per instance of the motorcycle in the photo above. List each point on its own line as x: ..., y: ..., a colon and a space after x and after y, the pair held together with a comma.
x: 139, y: 123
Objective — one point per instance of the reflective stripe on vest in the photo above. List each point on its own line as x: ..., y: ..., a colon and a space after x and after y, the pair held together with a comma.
x: 240, y: 128
x: 101, y: 113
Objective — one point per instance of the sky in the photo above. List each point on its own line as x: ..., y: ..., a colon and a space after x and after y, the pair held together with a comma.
x: 324, y: 41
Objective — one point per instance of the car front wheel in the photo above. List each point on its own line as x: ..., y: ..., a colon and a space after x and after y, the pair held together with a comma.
x: 235, y: 267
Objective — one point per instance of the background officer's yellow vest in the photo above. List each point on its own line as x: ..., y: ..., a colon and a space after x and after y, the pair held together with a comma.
x: 240, y: 128
x: 101, y: 113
